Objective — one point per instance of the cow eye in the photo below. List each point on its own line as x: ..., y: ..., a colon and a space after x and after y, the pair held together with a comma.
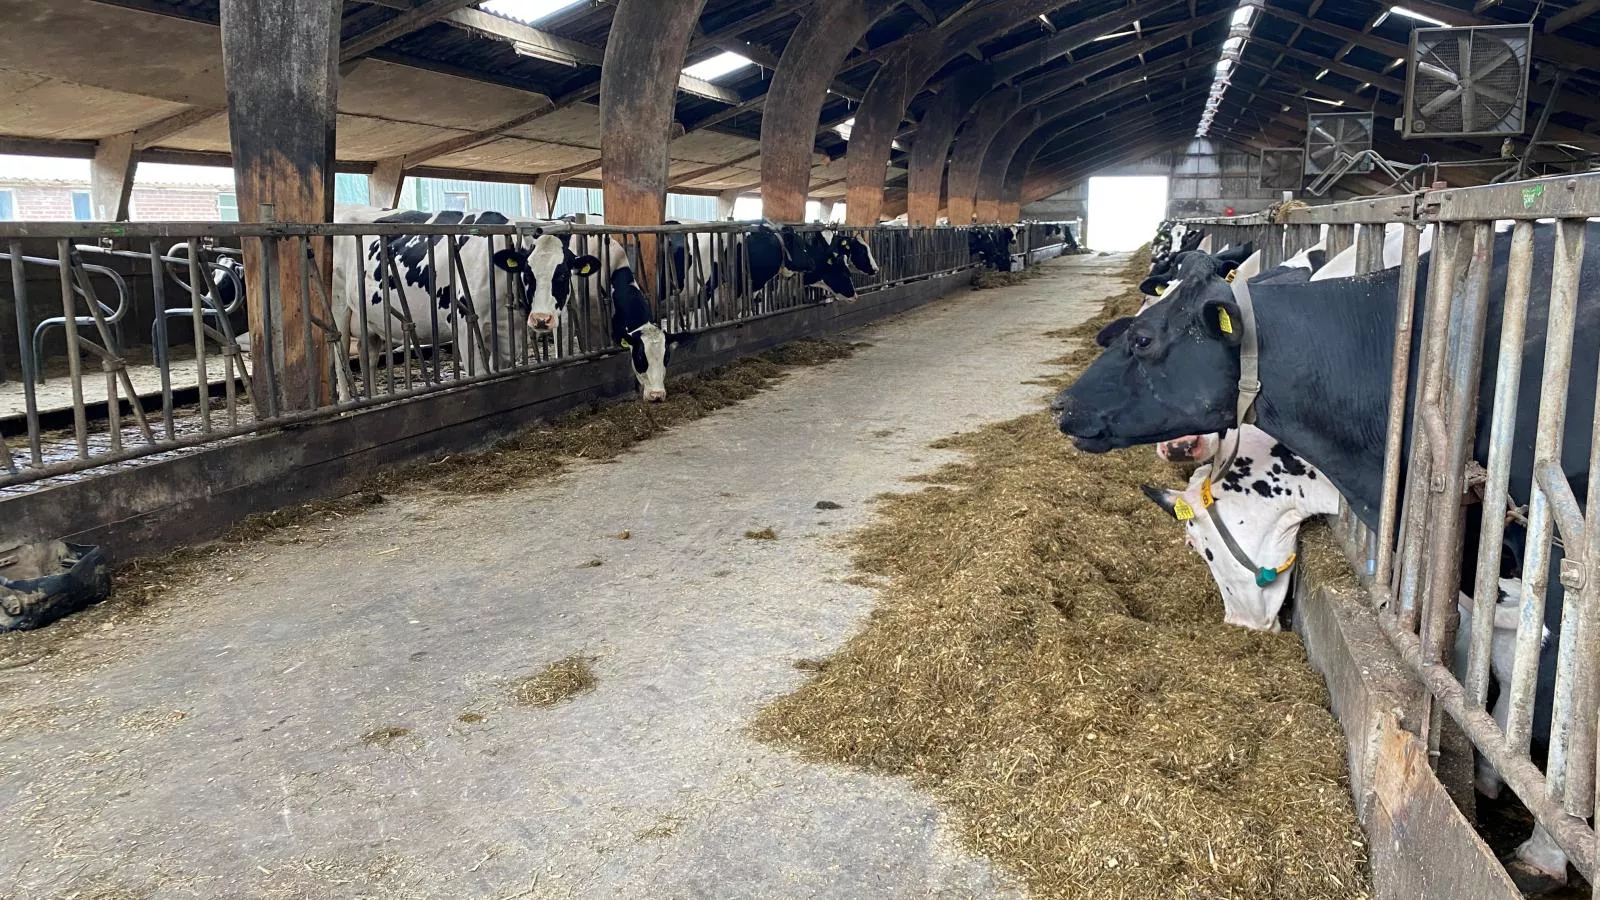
x: 1140, y: 341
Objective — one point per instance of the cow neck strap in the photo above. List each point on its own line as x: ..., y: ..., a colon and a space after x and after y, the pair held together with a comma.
x: 1264, y: 575
x: 1249, y: 380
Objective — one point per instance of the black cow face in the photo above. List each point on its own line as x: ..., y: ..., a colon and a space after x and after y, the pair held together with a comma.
x: 848, y: 246
x: 797, y: 255
x: 1170, y: 372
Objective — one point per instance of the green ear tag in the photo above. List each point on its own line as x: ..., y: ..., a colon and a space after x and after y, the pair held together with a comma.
x: 1266, y: 577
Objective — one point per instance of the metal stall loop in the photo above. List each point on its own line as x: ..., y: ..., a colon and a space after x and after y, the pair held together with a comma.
x: 412, y: 309
x: 1412, y: 565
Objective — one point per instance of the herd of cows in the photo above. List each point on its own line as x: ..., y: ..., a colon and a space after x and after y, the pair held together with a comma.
x: 1323, y: 338
x: 487, y: 298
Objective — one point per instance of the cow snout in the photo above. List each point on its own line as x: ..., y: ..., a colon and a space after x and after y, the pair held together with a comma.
x: 1179, y: 450
x: 541, y: 321
x: 655, y: 396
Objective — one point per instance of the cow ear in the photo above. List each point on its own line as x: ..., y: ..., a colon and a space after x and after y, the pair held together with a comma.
x: 510, y: 260
x: 584, y: 266
x: 1220, y: 318
x: 1153, y: 287
x: 1162, y: 497
x: 1112, y: 331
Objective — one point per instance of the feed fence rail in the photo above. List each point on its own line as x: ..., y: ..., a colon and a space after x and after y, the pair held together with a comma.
x: 84, y: 296
x: 1412, y: 563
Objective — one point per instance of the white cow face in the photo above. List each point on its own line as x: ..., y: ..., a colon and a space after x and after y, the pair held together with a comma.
x: 649, y: 347
x: 1262, y: 501
x: 547, y: 271
x: 1188, y: 449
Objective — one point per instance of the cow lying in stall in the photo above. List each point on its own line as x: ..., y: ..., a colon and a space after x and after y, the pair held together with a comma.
x: 1326, y: 345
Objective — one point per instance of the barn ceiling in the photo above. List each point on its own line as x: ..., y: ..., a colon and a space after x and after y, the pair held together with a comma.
x: 451, y: 88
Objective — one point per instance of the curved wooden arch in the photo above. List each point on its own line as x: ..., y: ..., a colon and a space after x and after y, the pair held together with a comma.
x: 972, y: 146
x: 638, y: 89
x: 925, y: 177
x: 816, y: 50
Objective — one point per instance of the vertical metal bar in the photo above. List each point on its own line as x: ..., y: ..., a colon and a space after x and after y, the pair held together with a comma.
x: 1581, y: 781
x: 461, y: 323
x: 1436, y: 335
x: 363, y: 337
x: 163, y: 344
x: 1570, y: 234
x: 198, y: 323
x: 269, y: 364
x: 69, y: 313
x: 30, y: 399
x: 1399, y: 378
x: 302, y: 255
x: 1547, y: 446
x: 433, y: 309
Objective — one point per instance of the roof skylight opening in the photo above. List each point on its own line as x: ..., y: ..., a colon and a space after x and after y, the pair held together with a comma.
x: 844, y: 128
x: 1224, y: 65
x: 717, y: 66
x: 526, y: 11
x: 1232, y: 51
x: 1232, y: 45
x: 1046, y: 20
x: 1116, y: 34
x: 1321, y: 75
x: 1242, y: 15
x: 1420, y: 17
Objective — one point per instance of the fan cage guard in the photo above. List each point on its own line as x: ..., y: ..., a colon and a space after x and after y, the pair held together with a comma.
x: 1351, y: 132
x: 1282, y: 168
x: 1501, y: 108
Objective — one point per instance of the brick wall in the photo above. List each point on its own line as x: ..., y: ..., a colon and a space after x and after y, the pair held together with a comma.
x: 53, y: 202
x: 168, y: 204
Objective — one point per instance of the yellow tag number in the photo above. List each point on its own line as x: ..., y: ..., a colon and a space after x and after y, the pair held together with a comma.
x: 1206, y: 496
x: 1182, y: 511
x: 1223, y: 321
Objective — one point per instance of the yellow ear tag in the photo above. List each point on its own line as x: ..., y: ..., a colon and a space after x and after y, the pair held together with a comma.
x: 1160, y: 289
x: 624, y: 343
x: 511, y: 262
x: 1224, y: 322
x: 1231, y: 273
x: 1182, y: 511
x: 1206, y: 497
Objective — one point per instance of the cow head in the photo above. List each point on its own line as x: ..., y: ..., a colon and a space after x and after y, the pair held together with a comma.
x: 546, y: 272
x: 1191, y: 448
x: 1169, y: 372
x: 798, y: 255
x: 649, y: 346
x: 854, y: 249
x: 1262, y: 512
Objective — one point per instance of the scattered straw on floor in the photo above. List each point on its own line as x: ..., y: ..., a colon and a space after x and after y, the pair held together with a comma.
x: 554, y: 684
x: 762, y: 534
x: 540, y: 452
x: 1050, y: 661
x: 989, y: 278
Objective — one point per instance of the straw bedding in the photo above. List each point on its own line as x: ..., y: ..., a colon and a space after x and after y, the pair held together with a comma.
x: 1049, y: 660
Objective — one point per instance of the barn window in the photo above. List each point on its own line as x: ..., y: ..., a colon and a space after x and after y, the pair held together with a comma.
x: 228, y: 206
x: 82, y: 210
x: 456, y: 201
x: 717, y: 66
x: 8, y: 205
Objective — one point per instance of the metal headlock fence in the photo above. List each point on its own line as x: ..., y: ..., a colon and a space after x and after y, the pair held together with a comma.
x: 1411, y: 565
x: 85, y: 295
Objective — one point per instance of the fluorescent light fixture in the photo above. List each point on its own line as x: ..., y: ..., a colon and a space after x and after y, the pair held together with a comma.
x: 1116, y: 34
x: 1045, y: 19
x: 526, y: 11
x: 717, y: 66
x: 1329, y: 102
x: 1420, y: 17
x: 1319, y: 76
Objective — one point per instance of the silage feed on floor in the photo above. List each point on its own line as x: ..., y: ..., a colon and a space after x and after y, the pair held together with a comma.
x: 1049, y: 660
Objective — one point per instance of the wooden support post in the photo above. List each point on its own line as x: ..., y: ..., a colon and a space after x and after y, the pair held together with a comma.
x: 925, y: 179
x: 991, y: 203
x: 794, y: 102
x: 638, y: 88
x: 111, y: 177
x: 877, y: 121
x: 546, y: 188
x: 385, y: 182
x: 280, y: 63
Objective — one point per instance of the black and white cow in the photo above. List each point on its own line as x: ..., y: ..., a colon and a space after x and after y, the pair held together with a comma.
x: 819, y: 258
x: 991, y: 245
x: 636, y: 329
x: 1325, y: 352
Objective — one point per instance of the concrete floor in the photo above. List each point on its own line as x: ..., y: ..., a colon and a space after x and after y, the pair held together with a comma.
x: 213, y: 746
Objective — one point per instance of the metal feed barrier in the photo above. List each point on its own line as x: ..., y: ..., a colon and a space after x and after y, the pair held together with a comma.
x: 67, y: 426
x: 1411, y: 565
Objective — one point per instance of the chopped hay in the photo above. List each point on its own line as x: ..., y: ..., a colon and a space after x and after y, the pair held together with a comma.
x: 765, y: 534
x: 1049, y: 660
x: 555, y: 683
x: 989, y: 279
x: 384, y: 737
x: 537, y: 453
x: 470, y: 718
x: 828, y: 504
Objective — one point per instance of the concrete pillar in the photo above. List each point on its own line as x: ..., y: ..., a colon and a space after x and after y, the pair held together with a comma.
x: 973, y: 145
x: 280, y: 62
x: 383, y: 185
x: 111, y: 177
x: 819, y: 44
x: 931, y: 147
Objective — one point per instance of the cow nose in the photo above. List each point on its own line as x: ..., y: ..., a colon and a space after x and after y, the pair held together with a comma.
x: 656, y: 396
x: 541, y: 321
x: 1058, y: 403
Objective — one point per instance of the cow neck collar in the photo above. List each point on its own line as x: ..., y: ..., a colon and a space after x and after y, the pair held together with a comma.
x: 1249, y: 386
x: 1264, y: 575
